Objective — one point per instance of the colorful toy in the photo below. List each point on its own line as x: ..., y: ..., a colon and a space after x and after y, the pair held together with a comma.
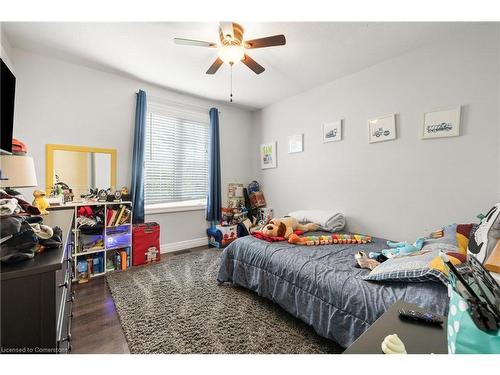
x: 403, y: 248
x: 329, y: 239
x: 285, y: 227
x: 41, y: 202
x: 253, y: 187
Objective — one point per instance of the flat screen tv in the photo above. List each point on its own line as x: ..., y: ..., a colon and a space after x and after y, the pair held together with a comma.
x: 7, y: 95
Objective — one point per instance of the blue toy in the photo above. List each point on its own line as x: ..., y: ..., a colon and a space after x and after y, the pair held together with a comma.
x: 403, y: 248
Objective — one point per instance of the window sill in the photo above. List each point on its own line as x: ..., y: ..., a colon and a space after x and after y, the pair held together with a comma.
x: 161, y: 208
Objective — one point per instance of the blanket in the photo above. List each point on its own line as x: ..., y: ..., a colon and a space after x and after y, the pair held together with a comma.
x: 321, y: 285
x: 330, y: 221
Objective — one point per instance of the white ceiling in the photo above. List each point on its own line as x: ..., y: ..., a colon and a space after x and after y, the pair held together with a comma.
x: 315, y: 52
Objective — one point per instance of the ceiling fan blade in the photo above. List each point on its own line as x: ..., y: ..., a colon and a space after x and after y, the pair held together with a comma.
x: 192, y: 42
x: 269, y: 41
x: 226, y: 29
x: 252, y: 64
x: 215, y: 66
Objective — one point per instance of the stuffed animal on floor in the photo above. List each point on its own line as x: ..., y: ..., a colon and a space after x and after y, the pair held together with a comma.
x: 285, y: 226
x: 403, y: 248
x: 41, y: 202
x: 328, y: 240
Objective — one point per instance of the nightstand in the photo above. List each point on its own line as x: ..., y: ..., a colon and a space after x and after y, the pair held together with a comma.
x: 419, y: 338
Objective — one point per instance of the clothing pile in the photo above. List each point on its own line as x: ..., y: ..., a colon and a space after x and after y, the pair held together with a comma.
x: 10, y: 204
x: 90, y: 220
x: 21, y: 234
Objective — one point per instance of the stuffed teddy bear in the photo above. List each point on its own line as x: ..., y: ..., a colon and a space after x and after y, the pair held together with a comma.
x: 285, y: 226
x: 41, y: 202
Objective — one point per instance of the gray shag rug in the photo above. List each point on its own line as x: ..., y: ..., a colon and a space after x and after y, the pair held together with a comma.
x: 177, y: 306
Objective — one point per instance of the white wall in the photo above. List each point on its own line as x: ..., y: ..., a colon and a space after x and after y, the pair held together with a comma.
x: 404, y: 188
x: 63, y: 103
x: 498, y: 107
x: 6, y: 50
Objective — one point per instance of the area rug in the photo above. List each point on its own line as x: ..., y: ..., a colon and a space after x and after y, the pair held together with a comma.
x: 176, y: 306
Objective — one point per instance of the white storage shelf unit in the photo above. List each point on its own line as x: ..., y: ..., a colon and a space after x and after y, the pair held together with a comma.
x: 122, y: 232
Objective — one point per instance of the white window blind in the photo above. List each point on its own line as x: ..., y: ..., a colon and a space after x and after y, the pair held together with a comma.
x: 176, y: 155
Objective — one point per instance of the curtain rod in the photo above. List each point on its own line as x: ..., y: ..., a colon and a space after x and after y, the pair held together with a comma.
x: 186, y: 105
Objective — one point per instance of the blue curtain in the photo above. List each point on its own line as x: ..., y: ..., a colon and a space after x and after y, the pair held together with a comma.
x: 137, y: 186
x: 214, y: 200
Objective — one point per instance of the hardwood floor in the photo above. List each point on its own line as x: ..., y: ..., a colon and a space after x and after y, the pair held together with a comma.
x: 95, y: 325
x: 96, y: 328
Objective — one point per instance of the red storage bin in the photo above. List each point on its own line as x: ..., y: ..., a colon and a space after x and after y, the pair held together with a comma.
x: 145, y: 243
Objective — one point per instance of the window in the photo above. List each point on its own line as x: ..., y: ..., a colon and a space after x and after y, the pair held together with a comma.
x: 176, y: 158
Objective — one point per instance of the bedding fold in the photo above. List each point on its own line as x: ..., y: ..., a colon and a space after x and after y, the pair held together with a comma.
x: 330, y: 221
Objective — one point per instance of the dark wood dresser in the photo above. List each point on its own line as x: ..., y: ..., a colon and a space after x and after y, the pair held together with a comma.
x: 37, y: 299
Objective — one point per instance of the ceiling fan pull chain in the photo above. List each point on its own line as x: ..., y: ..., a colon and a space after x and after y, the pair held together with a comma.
x: 231, y: 95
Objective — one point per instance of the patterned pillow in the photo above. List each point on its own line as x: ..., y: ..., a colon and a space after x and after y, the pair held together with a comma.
x: 463, y: 233
x: 448, y: 235
x: 417, y: 267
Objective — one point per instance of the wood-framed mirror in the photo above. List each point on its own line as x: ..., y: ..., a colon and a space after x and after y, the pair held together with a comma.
x: 80, y: 167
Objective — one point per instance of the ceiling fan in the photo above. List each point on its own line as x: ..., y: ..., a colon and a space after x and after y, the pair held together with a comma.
x: 232, y: 47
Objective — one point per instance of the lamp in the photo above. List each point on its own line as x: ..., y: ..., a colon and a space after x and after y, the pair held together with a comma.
x: 231, y: 53
x: 18, y: 171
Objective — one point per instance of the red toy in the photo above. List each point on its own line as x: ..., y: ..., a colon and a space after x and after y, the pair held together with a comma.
x: 145, y: 243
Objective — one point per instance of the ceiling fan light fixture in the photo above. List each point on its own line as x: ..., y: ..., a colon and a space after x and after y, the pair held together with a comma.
x: 231, y: 54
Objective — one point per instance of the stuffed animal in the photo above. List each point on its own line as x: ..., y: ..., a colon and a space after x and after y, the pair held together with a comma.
x: 285, y: 226
x: 328, y: 240
x: 41, y: 202
x: 403, y: 248
x: 365, y: 262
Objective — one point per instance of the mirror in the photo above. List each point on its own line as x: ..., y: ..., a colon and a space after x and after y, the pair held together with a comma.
x: 81, y: 168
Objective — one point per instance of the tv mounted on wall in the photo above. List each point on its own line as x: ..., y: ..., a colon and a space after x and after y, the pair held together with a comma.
x: 7, y: 95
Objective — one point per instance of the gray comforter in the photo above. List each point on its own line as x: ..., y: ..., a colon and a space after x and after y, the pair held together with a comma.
x: 321, y: 286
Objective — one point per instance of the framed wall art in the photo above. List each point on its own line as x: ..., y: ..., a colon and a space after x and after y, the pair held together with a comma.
x: 332, y: 131
x: 441, y: 124
x: 295, y: 143
x: 268, y: 155
x: 382, y: 128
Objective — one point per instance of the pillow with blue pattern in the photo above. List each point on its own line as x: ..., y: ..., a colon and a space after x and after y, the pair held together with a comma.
x: 415, y: 267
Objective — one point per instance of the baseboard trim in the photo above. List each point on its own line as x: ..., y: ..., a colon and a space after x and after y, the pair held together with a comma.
x: 183, y: 245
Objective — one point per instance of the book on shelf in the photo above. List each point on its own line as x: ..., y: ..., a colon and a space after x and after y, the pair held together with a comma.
x: 118, y: 216
x: 129, y: 259
x: 112, y: 218
x: 122, y: 209
x: 121, y: 259
x: 117, y: 260
x: 125, y: 217
x: 109, y: 216
x: 98, y: 260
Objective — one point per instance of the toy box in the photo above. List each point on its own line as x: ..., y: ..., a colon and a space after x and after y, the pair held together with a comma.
x: 221, y: 236
x: 146, y: 243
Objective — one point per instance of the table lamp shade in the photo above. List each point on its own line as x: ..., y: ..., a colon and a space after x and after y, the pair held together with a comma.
x: 19, y: 171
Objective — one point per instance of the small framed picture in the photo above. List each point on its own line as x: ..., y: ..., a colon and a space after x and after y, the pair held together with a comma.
x: 382, y: 128
x: 441, y: 124
x: 268, y: 155
x: 332, y: 131
x: 295, y: 143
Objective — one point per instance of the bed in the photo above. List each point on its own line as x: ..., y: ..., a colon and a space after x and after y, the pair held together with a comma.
x: 321, y: 285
